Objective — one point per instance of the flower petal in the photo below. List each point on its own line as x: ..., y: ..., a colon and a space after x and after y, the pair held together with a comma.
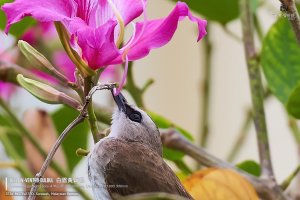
x: 65, y: 65
x: 98, y: 47
x: 157, y: 33
x: 129, y: 10
x: 44, y: 11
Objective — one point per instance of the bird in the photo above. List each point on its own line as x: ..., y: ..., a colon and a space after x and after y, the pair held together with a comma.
x: 129, y: 160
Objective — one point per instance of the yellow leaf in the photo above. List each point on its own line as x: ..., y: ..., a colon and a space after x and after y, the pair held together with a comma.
x: 2, y: 193
x: 219, y: 184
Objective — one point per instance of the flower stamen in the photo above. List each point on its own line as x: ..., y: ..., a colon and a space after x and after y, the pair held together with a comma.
x: 120, y: 21
x: 122, y: 83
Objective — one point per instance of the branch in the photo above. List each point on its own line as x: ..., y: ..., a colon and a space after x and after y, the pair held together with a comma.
x: 290, y: 9
x: 205, y: 92
x: 172, y: 139
x: 83, y: 114
x: 52, y: 152
x: 290, y: 178
x: 257, y: 98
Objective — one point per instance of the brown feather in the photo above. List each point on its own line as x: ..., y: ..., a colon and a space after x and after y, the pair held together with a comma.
x: 131, y: 167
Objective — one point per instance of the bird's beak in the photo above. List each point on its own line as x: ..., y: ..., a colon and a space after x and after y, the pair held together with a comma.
x: 120, y: 101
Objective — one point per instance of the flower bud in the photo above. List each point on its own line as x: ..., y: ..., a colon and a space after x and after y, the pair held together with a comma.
x: 39, y: 61
x: 46, y: 93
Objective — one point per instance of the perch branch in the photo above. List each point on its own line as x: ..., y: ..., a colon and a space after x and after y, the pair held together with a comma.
x: 174, y: 140
x: 83, y: 114
x: 24, y: 132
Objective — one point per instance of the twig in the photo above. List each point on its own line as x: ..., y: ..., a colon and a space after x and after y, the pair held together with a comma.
x: 290, y: 9
x: 290, y: 178
x: 172, y: 139
x: 241, y: 137
x: 244, y: 131
x: 79, y: 119
x: 295, y: 129
x: 35, y: 143
x: 131, y: 87
x: 230, y: 33
x: 52, y: 152
x: 205, y: 92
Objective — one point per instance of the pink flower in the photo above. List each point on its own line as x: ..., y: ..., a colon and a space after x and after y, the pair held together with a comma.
x: 43, y: 30
x: 6, y: 90
x: 97, y: 26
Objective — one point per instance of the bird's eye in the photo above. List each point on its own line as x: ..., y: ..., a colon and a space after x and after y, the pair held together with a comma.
x: 135, y: 116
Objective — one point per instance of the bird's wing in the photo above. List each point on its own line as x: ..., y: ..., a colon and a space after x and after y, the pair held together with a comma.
x: 135, y: 168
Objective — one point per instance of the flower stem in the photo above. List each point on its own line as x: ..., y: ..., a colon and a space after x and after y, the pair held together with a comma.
x: 88, y: 84
x: 205, y: 95
x: 131, y: 87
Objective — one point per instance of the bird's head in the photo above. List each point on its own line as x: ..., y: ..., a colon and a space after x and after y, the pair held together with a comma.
x: 131, y: 123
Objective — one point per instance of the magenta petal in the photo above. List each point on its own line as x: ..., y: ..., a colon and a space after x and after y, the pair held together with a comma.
x: 98, y: 47
x: 159, y: 32
x: 65, y: 65
x: 129, y: 10
x: 44, y: 11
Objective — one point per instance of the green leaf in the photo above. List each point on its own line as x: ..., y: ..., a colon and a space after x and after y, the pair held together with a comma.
x: 221, y: 11
x: 19, y: 28
x: 254, y: 4
x: 280, y: 59
x: 293, y: 103
x: 14, y: 137
x: 164, y: 123
x: 172, y: 155
x: 77, y: 138
x: 251, y: 167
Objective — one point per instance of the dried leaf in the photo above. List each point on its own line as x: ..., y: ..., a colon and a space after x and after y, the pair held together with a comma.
x: 219, y: 184
x: 40, y: 124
